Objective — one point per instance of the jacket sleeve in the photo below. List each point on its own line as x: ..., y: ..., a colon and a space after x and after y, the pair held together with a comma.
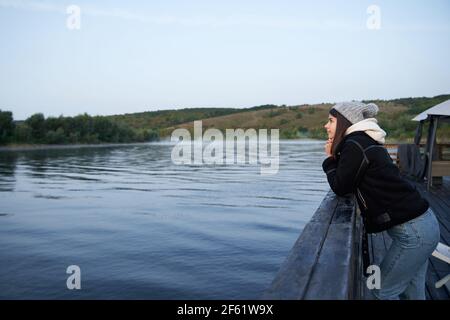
x: 342, y: 173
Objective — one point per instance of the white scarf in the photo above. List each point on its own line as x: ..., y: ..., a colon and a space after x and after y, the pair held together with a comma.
x: 370, y: 127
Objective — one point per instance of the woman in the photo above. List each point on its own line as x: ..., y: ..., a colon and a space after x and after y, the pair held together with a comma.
x: 358, y: 163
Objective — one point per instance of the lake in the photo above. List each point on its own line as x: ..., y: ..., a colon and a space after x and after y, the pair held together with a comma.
x: 141, y: 227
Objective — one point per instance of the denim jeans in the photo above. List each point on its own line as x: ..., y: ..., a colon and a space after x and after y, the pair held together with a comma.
x: 404, y: 267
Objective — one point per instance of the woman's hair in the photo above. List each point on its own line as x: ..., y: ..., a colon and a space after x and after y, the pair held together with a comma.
x: 342, y: 125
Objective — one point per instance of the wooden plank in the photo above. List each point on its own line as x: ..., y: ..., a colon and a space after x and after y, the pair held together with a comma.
x: 432, y: 277
x: 437, y: 201
x: 358, y: 276
x: 336, y: 264
x: 323, y: 261
x: 430, y: 280
x: 445, y: 208
x: 345, y: 211
x: 441, y: 268
x: 442, y: 194
x: 326, y: 208
x: 440, y: 168
x: 293, y: 277
x: 332, y: 278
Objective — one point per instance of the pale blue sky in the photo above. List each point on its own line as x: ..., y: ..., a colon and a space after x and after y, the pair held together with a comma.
x: 132, y: 56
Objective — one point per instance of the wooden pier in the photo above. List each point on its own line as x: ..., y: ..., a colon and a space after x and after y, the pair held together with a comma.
x: 326, y: 262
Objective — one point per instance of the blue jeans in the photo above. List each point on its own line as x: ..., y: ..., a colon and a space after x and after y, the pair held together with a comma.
x: 404, y: 267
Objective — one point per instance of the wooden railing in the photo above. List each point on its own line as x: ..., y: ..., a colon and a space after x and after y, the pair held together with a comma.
x: 440, y: 166
x: 325, y: 261
x: 443, y: 151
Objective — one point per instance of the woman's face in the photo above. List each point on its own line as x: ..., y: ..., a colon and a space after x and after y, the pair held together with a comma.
x: 331, y: 126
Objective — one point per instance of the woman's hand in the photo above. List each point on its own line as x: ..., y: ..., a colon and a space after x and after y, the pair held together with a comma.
x: 328, y: 147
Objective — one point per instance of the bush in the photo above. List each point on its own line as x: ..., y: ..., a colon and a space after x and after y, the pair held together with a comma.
x: 23, y: 133
x: 275, y: 113
x: 288, y: 134
x: 55, y: 137
x: 302, y: 129
x: 79, y: 129
x: 6, y: 126
x: 318, y: 133
x: 37, y: 124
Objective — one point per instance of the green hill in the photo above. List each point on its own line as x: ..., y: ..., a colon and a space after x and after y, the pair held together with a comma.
x: 298, y: 121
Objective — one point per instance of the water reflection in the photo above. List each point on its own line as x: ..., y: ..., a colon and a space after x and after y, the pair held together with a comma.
x: 8, y: 164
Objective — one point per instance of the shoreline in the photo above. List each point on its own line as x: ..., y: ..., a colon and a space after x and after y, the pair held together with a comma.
x: 33, y: 147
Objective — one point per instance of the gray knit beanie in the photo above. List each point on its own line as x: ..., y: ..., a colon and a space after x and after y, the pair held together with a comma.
x: 356, y: 111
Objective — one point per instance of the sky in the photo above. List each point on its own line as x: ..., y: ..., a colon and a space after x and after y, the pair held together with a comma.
x: 134, y: 56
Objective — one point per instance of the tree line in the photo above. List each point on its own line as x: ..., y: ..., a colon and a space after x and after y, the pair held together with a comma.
x: 68, y: 130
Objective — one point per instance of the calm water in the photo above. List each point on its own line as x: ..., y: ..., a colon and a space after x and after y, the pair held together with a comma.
x: 140, y: 227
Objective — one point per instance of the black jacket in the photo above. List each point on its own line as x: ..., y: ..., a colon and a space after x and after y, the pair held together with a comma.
x: 364, y: 167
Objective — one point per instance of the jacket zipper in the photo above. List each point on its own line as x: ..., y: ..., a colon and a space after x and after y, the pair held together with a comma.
x: 361, y: 198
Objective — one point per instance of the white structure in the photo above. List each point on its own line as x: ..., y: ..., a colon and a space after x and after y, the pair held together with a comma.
x: 438, y: 113
x: 442, y: 252
x: 442, y: 109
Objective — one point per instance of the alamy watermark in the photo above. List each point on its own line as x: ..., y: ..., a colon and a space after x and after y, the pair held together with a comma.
x: 74, y: 280
x: 73, y: 21
x: 374, y: 20
x: 374, y: 279
x: 211, y: 148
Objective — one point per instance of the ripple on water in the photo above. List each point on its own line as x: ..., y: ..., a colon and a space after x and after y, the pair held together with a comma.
x: 141, y: 227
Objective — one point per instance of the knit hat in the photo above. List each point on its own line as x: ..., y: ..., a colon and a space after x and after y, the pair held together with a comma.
x: 356, y: 111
